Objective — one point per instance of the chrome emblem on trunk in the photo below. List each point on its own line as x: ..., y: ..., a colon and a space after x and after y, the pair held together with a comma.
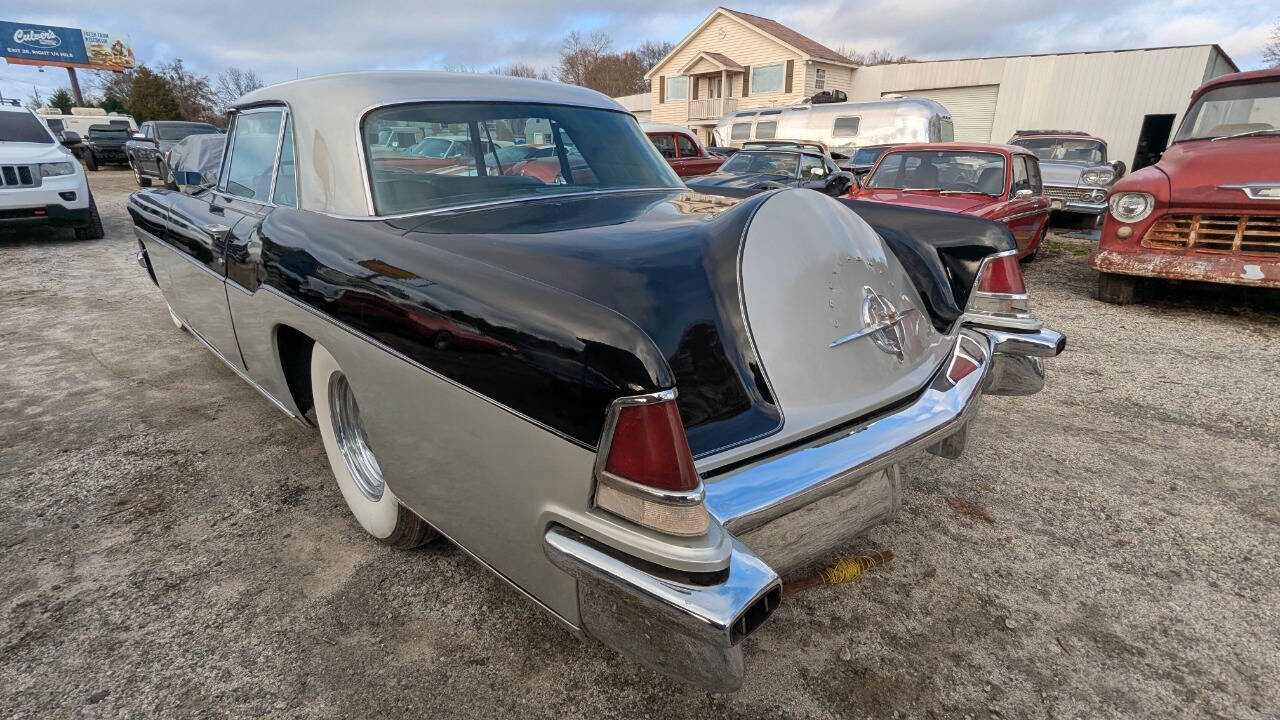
x: 882, y: 322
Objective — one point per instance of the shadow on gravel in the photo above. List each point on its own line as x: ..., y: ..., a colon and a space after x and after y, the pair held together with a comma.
x: 38, y: 235
x: 1259, y: 303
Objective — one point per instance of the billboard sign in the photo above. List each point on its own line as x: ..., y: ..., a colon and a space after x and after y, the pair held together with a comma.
x: 31, y: 44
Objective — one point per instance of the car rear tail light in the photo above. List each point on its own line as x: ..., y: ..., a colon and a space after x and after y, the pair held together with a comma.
x: 999, y: 294
x: 645, y: 471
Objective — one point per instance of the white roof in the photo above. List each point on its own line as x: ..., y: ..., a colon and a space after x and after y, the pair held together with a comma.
x: 327, y: 109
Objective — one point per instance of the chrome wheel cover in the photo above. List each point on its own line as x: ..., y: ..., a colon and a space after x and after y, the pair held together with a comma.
x: 351, y: 440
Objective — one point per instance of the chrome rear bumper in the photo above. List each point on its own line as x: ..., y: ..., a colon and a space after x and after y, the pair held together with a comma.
x: 785, y: 510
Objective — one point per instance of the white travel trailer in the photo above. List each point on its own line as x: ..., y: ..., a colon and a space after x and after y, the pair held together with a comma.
x: 844, y: 126
x: 81, y: 118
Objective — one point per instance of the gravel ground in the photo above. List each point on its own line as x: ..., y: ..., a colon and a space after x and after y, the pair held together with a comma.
x: 1119, y: 558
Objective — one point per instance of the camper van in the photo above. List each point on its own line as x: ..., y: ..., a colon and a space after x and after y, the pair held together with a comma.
x: 81, y: 118
x: 843, y: 126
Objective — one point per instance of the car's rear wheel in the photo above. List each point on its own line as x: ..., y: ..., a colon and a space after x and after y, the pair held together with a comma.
x: 142, y: 181
x: 91, y: 161
x: 93, y: 230
x: 1117, y: 289
x: 353, y: 462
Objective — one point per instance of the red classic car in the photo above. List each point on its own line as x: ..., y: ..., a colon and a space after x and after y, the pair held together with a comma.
x: 681, y: 149
x: 1210, y: 209
x: 997, y: 182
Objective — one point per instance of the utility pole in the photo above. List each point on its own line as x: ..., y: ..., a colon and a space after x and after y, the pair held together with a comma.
x: 75, y: 87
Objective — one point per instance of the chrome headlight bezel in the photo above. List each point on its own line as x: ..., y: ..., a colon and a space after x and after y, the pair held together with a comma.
x: 1099, y: 177
x: 57, y: 169
x: 1132, y: 207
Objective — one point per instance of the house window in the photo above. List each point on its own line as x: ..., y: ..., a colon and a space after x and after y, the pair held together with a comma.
x: 845, y: 127
x: 767, y: 78
x: 740, y: 131
x: 820, y: 79
x: 766, y: 130
x: 678, y: 87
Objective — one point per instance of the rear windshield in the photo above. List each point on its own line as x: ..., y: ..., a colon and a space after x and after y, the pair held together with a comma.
x: 945, y: 171
x: 478, y: 152
x: 109, y: 132
x: 1245, y: 109
x: 23, y: 127
x: 177, y: 132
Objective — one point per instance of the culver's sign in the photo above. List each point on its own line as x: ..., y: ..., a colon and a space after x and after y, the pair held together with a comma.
x: 42, y: 43
x: 43, y: 38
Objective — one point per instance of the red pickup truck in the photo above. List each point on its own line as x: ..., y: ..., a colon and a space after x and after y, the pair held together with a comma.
x: 1210, y: 209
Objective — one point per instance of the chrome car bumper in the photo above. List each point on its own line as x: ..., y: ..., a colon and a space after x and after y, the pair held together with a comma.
x: 786, y: 510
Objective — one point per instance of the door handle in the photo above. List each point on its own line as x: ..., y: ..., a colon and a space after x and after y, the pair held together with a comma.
x: 217, y: 230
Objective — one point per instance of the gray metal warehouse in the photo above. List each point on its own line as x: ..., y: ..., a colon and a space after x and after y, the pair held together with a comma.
x: 1123, y: 96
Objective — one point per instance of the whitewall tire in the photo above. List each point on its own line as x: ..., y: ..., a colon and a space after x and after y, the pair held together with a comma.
x: 354, y: 465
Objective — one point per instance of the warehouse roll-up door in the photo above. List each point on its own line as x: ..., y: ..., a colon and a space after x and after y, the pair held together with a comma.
x: 973, y: 109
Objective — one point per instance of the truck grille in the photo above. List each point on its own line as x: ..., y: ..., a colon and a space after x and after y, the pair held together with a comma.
x: 1070, y: 194
x: 1216, y: 233
x: 17, y: 176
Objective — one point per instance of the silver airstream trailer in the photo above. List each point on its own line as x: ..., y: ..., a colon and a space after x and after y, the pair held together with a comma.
x: 844, y: 126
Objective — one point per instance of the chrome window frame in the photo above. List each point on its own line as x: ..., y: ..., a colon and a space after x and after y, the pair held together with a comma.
x: 229, y: 150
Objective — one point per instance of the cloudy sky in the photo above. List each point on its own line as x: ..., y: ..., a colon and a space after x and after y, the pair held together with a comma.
x: 282, y: 39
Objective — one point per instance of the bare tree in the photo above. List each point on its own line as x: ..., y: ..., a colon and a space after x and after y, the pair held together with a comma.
x: 578, y: 54
x: 196, y: 98
x: 519, y: 69
x: 618, y: 74
x: 36, y: 100
x: 235, y: 82
x: 651, y: 52
x: 878, y: 56
x: 1271, y: 51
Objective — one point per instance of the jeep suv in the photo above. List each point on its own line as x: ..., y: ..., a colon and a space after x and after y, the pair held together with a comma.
x: 40, y: 180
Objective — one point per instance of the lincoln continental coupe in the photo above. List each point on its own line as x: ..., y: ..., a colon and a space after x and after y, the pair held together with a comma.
x: 640, y: 406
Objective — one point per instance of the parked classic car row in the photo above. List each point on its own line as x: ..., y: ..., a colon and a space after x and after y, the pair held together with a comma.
x: 148, y: 148
x: 691, y: 395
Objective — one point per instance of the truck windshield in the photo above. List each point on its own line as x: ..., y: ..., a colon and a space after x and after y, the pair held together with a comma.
x: 1066, y: 150
x: 466, y: 154
x: 1244, y: 109
x: 946, y: 171
x: 23, y: 127
x: 782, y: 164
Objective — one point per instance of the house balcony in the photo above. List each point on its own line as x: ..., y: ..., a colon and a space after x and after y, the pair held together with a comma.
x: 711, y: 108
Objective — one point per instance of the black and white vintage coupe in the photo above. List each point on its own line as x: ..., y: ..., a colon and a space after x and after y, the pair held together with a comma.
x: 639, y: 405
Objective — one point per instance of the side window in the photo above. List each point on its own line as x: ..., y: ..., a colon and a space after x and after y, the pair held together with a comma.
x: 286, y: 193
x: 666, y: 146
x: 687, y: 148
x: 820, y: 79
x: 740, y: 131
x: 146, y: 130
x: 846, y: 127
x: 1033, y: 171
x: 1021, y: 180
x: 808, y: 163
x: 766, y: 130
x: 253, y: 154
x: 55, y: 125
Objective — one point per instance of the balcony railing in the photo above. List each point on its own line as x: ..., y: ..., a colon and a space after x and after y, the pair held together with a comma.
x: 711, y: 108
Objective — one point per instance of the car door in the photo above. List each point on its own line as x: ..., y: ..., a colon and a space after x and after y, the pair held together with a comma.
x: 152, y: 152
x: 808, y: 163
x: 692, y: 160
x: 204, y: 225
x: 1027, y: 210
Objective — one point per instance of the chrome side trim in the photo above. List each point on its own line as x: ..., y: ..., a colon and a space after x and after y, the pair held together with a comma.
x: 670, y: 624
x: 1252, y: 189
x: 1029, y: 213
x: 445, y: 210
x: 401, y: 356
x: 252, y: 383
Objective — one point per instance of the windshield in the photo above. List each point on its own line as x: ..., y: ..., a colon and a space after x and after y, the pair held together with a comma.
x: 868, y: 156
x: 947, y: 171
x: 1231, y: 110
x: 810, y: 147
x: 783, y: 164
x: 23, y: 127
x: 573, y: 149
x: 177, y: 132
x: 1066, y: 150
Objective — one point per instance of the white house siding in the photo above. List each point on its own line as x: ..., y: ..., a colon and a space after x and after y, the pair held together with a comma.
x: 838, y: 77
x: 1104, y: 93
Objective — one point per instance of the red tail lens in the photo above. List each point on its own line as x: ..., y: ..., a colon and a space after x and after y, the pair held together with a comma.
x: 1002, y: 275
x: 649, y: 448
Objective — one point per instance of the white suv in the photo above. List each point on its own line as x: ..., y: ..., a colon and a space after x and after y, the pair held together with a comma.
x: 40, y: 180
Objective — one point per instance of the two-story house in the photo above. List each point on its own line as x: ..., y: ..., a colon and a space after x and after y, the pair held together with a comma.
x: 733, y: 60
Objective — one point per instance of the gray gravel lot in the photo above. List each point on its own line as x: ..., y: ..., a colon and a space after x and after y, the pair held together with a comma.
x: 151, y: 566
